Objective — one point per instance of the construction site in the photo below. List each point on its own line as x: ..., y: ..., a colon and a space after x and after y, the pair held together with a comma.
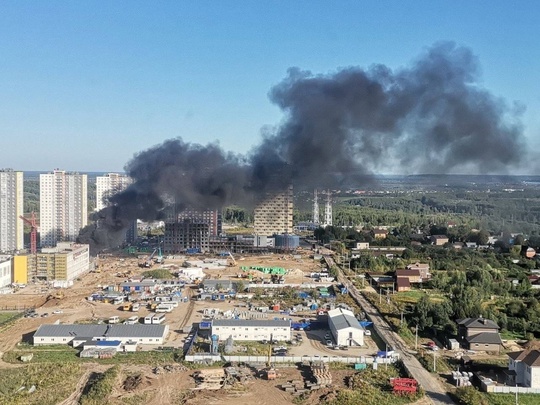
x: 185, y: 296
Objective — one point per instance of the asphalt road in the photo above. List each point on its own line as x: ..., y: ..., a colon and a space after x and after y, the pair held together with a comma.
x: 433, y: 388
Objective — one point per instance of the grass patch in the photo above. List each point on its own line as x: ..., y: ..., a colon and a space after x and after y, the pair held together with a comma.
x: 55, y: 354
x: 158, y: 273
x: 472, y: 396
x: 371, y: 387
x: 507, y: 335
x: 441, y: 363
x: 100, y: 388
x: 54, y: 382
x: 8, y: 316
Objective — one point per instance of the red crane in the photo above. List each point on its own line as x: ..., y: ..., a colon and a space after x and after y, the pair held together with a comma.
x: 33, y: 232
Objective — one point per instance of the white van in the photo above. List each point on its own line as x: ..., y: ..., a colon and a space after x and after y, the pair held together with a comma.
x: 114, y: 319
x: 135, y: 307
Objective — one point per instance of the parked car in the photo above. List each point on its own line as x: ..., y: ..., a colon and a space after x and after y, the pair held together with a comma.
x: 329, y: 343
x: 58, y: 311
x: 367, y: 332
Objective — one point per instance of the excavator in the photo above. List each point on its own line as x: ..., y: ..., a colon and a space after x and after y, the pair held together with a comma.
x: 147, y: 261
x: 269, y: 372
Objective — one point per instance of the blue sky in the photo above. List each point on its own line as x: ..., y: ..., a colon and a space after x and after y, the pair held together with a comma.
x: 86, y: 85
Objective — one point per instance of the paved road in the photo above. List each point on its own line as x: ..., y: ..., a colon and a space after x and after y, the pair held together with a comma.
x: 433, y: 388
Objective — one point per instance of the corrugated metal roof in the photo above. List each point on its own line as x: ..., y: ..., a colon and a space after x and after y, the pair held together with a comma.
x: 342, y: 319
x: 109, y: 331
x: 252, y: 322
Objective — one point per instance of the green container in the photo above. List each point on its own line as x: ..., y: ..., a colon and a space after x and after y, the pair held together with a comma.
x: 360, y: 366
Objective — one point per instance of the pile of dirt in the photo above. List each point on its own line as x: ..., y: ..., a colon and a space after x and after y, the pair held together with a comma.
x: 328, y: 396
x: 132, y: 382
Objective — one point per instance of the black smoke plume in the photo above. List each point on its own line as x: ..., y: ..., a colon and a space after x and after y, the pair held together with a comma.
x: 432, y: 117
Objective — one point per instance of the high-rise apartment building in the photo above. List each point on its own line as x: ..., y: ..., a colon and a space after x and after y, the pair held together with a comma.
x: 274, y: 215
x: 108, y: 185
x: 11, y: 208
x: 63, y: 203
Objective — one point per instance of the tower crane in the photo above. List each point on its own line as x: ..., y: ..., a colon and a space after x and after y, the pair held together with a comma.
x: 33, y: 240
x: 33, y: 231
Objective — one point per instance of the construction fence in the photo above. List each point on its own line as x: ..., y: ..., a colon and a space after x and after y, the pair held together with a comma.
x: 207, y: 357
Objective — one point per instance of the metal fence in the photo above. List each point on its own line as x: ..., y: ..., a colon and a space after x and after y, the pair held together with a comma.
x: 202, y: 357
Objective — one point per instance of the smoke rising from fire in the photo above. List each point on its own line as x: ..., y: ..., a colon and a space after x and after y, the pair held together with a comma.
x: 431, y: 117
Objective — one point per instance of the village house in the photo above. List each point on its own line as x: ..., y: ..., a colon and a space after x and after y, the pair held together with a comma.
x: 439, y: 240
x: 379, y: 233
x: 403, y: 284
x: 412, y: 274
x: 524, y: 368
x: 423, y: 268
x: 480, y: 334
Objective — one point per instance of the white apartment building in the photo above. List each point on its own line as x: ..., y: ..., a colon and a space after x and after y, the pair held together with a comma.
x: 63, y: 206
x: 274, y: 215
x: 11, y: 208
x: 252, y: 329
x: 5, y: 271
x: 108, y: 185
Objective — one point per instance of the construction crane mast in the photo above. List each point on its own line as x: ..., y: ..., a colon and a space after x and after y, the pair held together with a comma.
x: 33, y: 231
x: 33, y: 242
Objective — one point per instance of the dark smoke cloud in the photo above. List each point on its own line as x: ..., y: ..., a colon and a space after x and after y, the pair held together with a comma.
x: 431, y: 117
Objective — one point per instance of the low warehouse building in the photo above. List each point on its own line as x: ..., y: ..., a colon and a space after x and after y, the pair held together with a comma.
x: 81, y: 334
x: 252, y: 329
x: 345, y: 328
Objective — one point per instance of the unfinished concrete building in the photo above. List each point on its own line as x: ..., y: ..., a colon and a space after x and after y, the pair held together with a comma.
x: 274, y: 215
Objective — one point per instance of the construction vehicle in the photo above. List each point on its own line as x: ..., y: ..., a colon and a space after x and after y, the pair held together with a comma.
x: 159, y: 258
x: 148, y: 261
x: 57, y: 295
x: 230, y: 261
x: 269, y: 372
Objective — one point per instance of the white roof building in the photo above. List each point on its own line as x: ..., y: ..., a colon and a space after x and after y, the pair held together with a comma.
x: 345, y: 327
x: 64, y: 334
x: 252, y: 329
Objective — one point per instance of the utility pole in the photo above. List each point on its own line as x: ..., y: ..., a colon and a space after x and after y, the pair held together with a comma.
x: 434, y: 363
x: 416, y: 338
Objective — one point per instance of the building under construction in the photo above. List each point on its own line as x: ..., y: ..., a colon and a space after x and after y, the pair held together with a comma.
x: 274, y: 215
x: 63, y: 263
x: 191, y: 231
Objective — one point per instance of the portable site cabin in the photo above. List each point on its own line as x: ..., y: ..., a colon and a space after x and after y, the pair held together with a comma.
x: 164, y: 307
x: 114, y: 319
x: 148, y: 318
x: 158, y: 319
x: 132, y: 320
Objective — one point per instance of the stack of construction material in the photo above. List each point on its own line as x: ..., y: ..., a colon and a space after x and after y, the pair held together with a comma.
x: 210, y: 379
x: 321, y: 373
x: 295, y: 387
